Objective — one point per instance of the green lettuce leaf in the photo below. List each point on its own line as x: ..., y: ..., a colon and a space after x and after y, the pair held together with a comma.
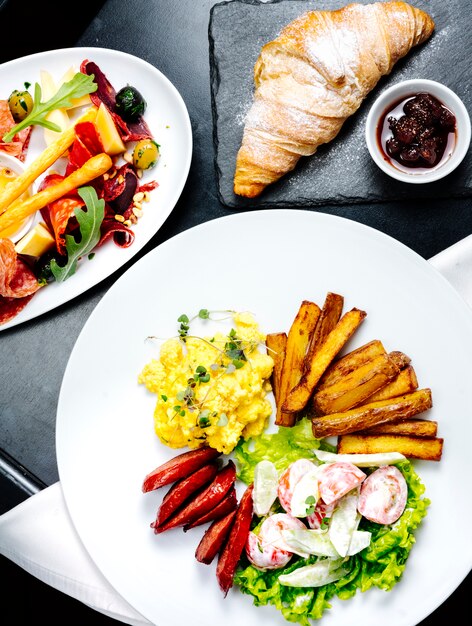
x: 282, y: 448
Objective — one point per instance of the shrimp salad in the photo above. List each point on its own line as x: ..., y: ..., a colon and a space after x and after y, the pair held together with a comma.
x: 326, y: 524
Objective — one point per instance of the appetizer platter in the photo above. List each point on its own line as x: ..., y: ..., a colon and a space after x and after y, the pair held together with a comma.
x: 389, y: 295
x: 81, y: 121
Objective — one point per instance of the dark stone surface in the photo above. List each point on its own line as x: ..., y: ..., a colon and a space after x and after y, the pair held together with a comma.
x: 341, y: 171
x: 173, y: 36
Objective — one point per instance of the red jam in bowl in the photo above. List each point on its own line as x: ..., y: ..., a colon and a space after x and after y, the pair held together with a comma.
x: 417, y: 132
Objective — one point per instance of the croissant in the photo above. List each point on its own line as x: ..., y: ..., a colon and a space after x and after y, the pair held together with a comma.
x: 313, y: 76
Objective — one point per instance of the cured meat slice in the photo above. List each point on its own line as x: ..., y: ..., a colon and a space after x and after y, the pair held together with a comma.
x: 129, y: 131
x: 383, y: 495
x: 16, y: 278
x: 18, y: 283
x: 58, y: 213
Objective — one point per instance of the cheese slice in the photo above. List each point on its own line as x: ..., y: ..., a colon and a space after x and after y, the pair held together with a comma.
x: 109, y: 135
x: 36, y: 242
x: 58, y: 116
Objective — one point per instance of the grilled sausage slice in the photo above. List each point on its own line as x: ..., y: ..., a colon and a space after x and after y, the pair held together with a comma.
x: 203, y: 502
x: 183, y: 489
x: 228, y: 504
x: 214, y: 538
x: 179, y: 467
x: 229, y: 556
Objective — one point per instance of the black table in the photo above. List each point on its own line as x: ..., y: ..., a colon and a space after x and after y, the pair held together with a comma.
x: 173, y: 36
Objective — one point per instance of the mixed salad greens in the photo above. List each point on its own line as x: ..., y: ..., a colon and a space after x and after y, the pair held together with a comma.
x: 381, y: 564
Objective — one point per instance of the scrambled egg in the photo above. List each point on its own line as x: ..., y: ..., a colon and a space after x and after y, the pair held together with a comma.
x: 211, y: 390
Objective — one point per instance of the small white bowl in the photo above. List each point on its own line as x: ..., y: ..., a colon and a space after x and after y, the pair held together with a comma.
x: 402, y: 90
x: 11, y: 162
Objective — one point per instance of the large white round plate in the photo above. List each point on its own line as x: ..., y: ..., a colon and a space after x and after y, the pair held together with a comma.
x: 168, y: 119
x: 266, y: 262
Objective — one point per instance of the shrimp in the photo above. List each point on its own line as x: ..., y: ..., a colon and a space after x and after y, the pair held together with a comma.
x: 267, y: 549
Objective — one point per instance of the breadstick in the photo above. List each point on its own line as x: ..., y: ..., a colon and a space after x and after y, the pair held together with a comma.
x: 21, y: 183
x: 92, y: 168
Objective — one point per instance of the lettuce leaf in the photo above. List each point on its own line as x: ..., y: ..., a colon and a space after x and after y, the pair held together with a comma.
x: 282, y: 448
x: 380, y: 565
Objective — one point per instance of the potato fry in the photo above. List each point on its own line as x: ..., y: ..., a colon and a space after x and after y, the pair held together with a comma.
x: 298, y: 338
x: 298, y: 397
x: 356, y: 387
x: 329, y: 317
x: 415, y: 427
x: 426, y: 448
x: 405, y: 382
x: 92, y: 168
x: 368, y: 415
x: 276, y: 343
x: 48, y: 157
x: 400, y: 359
x: 351, y: 361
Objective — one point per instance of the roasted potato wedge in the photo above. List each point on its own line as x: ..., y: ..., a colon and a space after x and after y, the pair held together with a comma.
x: 426, y: 448
x: 276, y: 344
x: 414, y: 427
x: 354, y: 389
x: 371, y: 414
x: 298, y: 339
x: 329, y: 317
x: 405, y: 382
x: 298, y: 397
x: 351, y: 361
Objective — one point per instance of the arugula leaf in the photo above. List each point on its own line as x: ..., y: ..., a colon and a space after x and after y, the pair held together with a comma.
x: 89, y: 223
x: 78, y: 86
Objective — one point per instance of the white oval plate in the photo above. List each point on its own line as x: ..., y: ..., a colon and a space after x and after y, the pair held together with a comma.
x: 168, y: 119
x: 266, y: 262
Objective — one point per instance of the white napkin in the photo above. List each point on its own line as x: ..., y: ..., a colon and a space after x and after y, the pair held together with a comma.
x: 50, y: 548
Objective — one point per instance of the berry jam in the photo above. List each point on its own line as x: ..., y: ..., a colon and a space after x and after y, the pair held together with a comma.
x: 417, y: 132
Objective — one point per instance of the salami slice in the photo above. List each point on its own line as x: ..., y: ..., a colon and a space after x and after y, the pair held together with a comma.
x: 383, y: 495
x: 337, y: 479
x: 16, y: 278
x: 18, y: 283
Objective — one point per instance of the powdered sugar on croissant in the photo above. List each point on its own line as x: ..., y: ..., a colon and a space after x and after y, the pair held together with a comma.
x: 313, y: 76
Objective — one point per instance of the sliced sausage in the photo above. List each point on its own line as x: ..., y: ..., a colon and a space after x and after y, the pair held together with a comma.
x: 230, y: 554
x: 204, y: 501
x: 228, y: 504
x: 183, y: 489
x: 179, y: 467
x: 337, y: 479
x: 214, y: 538
x: 383, y: 495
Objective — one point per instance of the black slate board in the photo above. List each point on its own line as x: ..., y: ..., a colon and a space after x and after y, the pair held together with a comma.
x: 341, y: 172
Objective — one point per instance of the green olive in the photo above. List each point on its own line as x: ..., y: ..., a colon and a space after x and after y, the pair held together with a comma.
x: 20, y: 103
x: 145, y: 154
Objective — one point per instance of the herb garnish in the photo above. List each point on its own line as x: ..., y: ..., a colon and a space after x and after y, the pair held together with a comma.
x: 78, y: 86
x: 89, y: 223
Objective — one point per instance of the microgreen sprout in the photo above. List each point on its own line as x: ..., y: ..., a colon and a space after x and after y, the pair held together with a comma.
x: 324, y: 523
x: 311, y: 502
